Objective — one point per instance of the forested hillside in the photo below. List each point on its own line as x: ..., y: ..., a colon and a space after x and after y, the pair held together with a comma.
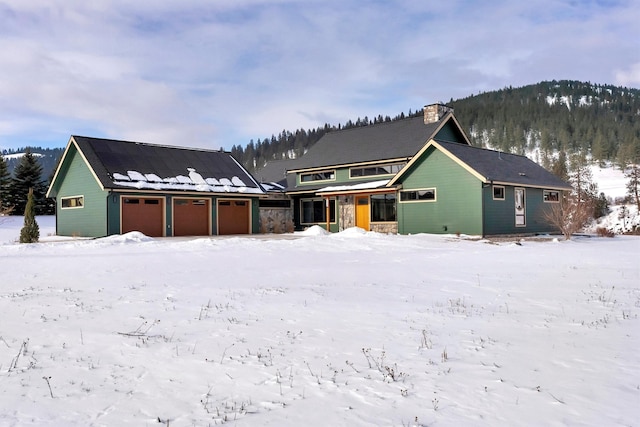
x: 47, y: 158
x: 571, y: 116
x: 568, y: 116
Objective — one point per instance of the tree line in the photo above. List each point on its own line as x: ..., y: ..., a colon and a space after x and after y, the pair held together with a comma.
x: 555, y: 116
x: 601, y: 121
x: 15, y: 187
x: 555, y: 119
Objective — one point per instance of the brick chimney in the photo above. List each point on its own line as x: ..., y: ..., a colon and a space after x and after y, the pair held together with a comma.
x: 435, y: 112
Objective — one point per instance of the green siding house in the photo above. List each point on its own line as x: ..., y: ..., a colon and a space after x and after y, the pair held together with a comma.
x: 417, y: 175
x: 104, y: 187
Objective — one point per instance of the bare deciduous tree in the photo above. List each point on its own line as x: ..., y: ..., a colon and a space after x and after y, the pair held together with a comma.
x: 569, y: 216
x: 633, y: 184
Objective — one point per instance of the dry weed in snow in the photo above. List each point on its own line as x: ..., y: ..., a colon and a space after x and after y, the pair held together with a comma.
x: 352, y: 329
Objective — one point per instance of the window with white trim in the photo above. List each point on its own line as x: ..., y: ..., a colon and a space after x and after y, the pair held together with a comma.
x: 498, y: 192
x: 327, y: 175
x: 74, y: 202
x: 551, y: 196
x: 387, y: 169
x: 423, y: 195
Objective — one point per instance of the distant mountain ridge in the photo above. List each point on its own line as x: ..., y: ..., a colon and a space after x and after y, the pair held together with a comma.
x: 568, y: 115
x: 602, y: 120
x: 46, y: 157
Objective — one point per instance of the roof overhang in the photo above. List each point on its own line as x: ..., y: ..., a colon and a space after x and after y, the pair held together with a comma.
x: 357, y: 191
x: 71, y: 143
x: 350, y: 188
x: 419, y: 154
x: 185, y: 192
x: 522, y: 184
x: 472, y: 171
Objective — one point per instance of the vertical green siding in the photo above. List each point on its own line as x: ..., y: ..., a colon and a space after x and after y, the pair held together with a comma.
x: 500, y: 214
x: 342, y: 177
x: 458, y: 205
x: 113, y: 214
x: 214, y: 216
x: 168, y: 214
x: 77, y: 180
x: 255, y: 216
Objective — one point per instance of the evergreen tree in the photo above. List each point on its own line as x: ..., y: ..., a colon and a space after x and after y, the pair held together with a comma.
x: 30, y: 232
x: 5, y: 182
x: 559, y: 166
x: 27, y: 175
x: 581, y: 179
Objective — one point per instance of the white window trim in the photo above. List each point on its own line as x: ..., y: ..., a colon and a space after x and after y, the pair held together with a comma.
x: 401, y: 164
x: 79, y: 196
x: 504, y: 192
x: 550, y: 191
x: 317, y: 180
x: 435, y: 193
x: 524, y: 206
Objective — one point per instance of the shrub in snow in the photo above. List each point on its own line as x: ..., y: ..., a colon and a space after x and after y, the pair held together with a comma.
x: 570, y: 216
x: 604, y: 232
x: 30, y: 233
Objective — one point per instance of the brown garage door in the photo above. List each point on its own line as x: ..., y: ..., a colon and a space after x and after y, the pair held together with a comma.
x: 191, y: 217
x: 143, y: 215
x: 233, y: 216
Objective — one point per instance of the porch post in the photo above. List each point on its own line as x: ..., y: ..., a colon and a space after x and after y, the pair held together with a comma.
x: 328, y: 213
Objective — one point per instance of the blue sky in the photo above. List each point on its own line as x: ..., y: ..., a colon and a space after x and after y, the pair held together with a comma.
x: 212, y: 74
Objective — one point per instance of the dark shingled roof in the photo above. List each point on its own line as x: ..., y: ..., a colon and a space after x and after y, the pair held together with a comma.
x: 109, y: 157
x: 388, y: 140
x: 276, y: 171
x: 502, y: 167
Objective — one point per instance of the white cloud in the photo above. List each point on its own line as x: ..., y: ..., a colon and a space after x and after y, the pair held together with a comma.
x: 218, y: 74
x: 629, y: 77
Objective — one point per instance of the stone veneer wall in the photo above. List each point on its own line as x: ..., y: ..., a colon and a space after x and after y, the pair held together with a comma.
x: 347, y: 212
x: 385, y: 227
x: 277, y: 220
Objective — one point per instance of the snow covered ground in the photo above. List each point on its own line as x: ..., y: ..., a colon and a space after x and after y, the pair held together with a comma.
x: 351, y: 329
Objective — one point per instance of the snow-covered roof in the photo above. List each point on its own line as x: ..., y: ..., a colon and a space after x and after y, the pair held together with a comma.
x: 192, y: 182
x: 133, y: 165
x: 354, y: 187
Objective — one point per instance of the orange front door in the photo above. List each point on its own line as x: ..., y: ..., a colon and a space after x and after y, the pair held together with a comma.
x: 362, y: 212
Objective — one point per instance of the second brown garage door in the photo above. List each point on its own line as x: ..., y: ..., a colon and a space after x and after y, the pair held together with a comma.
x: 191, y: 217
x: 143, y: 215
x: 233, y: 216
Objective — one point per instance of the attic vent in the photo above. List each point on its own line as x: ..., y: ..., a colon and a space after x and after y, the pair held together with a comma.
x: 522, y: 174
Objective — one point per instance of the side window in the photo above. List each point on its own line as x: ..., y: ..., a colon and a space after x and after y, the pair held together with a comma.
x: 74, y: 202
x: 423, y: 195
x: 551, y: 196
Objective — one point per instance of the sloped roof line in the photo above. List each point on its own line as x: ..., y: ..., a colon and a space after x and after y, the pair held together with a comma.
x: 150, y: 144
x: 71, y: 143
x: 387, y: 140
x: 516, y: 169
x: 201, y: 168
